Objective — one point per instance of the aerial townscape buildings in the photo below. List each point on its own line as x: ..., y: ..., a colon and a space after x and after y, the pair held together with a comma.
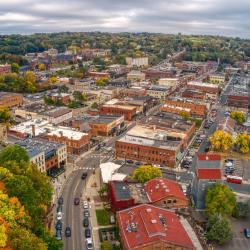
x: 137, y: 149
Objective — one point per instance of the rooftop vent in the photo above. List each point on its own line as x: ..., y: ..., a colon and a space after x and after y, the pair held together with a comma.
x: 148, y: 210
x: 153, y: 221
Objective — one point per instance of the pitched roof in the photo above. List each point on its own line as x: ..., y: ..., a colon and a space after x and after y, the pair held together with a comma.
x: 209, y: 174
x: 146, y: 224
x: 161, y: 188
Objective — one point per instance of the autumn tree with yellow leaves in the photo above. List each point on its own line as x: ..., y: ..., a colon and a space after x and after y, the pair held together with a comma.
x: 221, y: 141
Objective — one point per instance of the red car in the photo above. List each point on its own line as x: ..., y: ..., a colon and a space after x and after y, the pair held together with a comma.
x: 76, y: 201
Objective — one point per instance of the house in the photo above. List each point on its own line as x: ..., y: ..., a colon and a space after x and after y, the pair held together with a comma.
x: 138, y: 62
x: 208, y: 172
x: 146, y: 227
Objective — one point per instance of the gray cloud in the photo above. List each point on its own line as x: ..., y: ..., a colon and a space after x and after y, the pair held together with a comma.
x: 217, y: 17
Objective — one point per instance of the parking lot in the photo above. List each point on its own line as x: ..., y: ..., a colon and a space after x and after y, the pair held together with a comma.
x: 239, y: 242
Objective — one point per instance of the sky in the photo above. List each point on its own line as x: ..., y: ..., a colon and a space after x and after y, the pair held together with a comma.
x: 209, y: 17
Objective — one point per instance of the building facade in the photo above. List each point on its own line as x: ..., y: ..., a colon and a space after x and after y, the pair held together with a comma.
x: 10, y: 100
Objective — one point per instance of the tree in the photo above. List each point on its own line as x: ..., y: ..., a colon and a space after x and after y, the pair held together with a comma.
x: 41, y: 67
x: 13, y: 153
x: 238, y: 116
x: 221, y: 141
x: 94, y: 105
x: 145, y: 173
x: 185, y: 115
x: 243, y: 208
x: 101, y: 81
x: 22, y: 239
x: 78, y: 96
x: 242, y: 142
x: 219, y: 229
x: 15, y: 68
x: 220, y: 199
x: 106, y: 245
x: 30, y: 77
x: 5, y: 115
x: 53, y: 79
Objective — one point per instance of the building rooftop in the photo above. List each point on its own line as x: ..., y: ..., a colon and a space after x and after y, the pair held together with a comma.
x: 43, y: 127
x: 208, y: 161
x: 8, y: 94
x: 159, y: 88
x: 143, y: 135
x: 147, y: 224
x: 161, y: 188
x: 209, y: 174
x: 57, y: 112
x: 109, y: 172
x: 37, y: 146
x: 118, y: 106
x: 204, y: 84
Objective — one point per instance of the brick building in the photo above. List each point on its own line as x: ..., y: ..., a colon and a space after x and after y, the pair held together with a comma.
x: 150, y: 145
x: 239, y: 100
x: 155, y: 74
x: 10, y: 100
x: 129, y: 112
x: 160, y: 192
x: 146, y: 227
x: 60, y: 97
x: 193, y: 94
x: 48, y: 156
x: 133, y: 92
x: 177, y: 107
x: 96, y: 75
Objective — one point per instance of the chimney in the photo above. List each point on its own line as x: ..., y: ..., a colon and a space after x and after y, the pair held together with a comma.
x: 33, y: 130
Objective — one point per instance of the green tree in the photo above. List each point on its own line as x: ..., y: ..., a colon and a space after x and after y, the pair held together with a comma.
x: 106, y: 245
x: 77, y: 96
x: 220, y: 199
x: 221, y: 141
x: 48, y: 100
x: 15, y: 68
x: 145, y: 173
x: 219, y: 229
x: 242, y: 142
x: 238, y: 116
x: 41, y: 67
x: 13, y: 153
x: 94, y: 105
x: 5, y: 115
x: 243, y: 208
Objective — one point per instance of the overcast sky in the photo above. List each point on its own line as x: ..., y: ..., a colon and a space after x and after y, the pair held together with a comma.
x: 217, y: 17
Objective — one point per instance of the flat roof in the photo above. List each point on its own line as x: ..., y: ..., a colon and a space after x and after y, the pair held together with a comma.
x: 57, y: 112
x: 205, y: 84
x: 142, y: 135
x: 9, y: 94
x: 119, y: 106
x: 37, y: 146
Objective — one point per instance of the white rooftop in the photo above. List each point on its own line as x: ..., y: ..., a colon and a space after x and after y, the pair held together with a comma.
x: 108, y: 172
x: 205, y: 84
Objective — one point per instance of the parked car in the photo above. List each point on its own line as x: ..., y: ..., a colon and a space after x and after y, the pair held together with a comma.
x: 228, y: 164
x: 58, y: 225
x: 59, y: 209
x: 85, y: 205
x: 137, y: 163
x: 87, y: 233
x: 59, y: 216
x: 84, y: 176
x: 89, y: 244
x: 102, y: 144
x: 85, y: 222
x: 58, y: 234
x: 86, y: 213
x: 60, y: 200
x: 67, y: 232
x: 130, y: 162
x: 247, y: 232
x: 77, y: 201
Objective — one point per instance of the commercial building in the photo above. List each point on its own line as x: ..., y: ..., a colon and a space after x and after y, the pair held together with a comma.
x: 3, y: 133
x: 139, y: 61
x: 5, y: 69
x: 159, y: 92
x: 150, y: 145
x: 77, y: 142
x: 97, y: 75
x: 146, y: 227
x: 160, y: 192
x: 178, y: 107
x: 217, y: 79
x: 43, y: 111
x: 208, y: 172
x: 10, y: 100
x: 133, y: 92
x: 136, y: 75
x: 129, y: 112
x: 210, y: 89
x: 48, y: 156
x: 171, y: 82
x: 63, y: 98
x: 155, y: 74
x: 193, y: 94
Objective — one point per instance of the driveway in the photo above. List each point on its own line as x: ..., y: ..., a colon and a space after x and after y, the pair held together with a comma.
x: 239, y: 242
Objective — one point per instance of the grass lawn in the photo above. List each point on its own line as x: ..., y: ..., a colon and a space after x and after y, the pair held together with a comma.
x: 102, y: 217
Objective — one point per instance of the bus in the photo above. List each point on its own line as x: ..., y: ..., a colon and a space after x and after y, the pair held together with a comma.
x: 234, y: 179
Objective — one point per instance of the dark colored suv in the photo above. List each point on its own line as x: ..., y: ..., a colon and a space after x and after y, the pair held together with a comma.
x: 87, y: 233
x: 67, y: 232
x: 86, y: 222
